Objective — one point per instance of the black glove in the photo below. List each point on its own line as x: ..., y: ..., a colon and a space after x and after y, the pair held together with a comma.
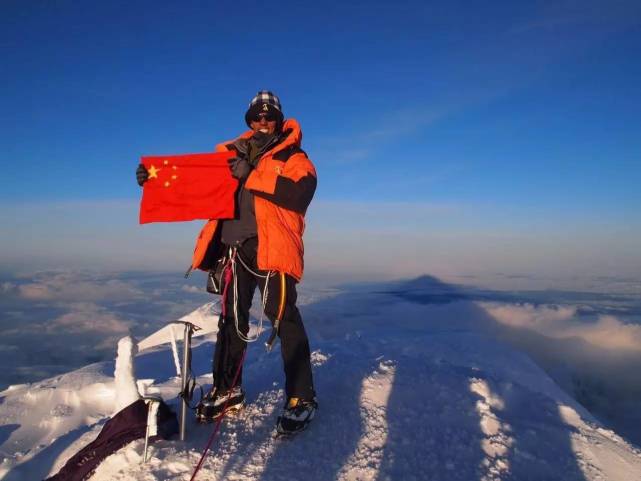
x: 142, y: 175
x: 240, y: 168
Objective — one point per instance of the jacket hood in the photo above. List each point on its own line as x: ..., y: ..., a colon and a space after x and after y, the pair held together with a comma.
x: 291, y: 130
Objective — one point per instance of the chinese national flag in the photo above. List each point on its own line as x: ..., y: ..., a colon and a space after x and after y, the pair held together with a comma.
x: 188, y: 187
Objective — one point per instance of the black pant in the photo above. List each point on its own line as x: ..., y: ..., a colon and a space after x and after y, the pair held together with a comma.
x: 293, y: 338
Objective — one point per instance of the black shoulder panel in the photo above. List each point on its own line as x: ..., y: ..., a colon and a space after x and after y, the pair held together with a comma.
x: 285, y: 154
x: 292, y: 195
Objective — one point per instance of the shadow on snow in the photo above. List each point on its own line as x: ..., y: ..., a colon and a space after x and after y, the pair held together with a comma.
x: 433, y: 425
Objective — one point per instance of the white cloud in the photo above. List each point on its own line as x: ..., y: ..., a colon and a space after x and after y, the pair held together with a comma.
x: 560, y: 322
x: 52, y: 322
x: 36, y: 292
x: 84, y: 317
x: 596, y: 358
x: 540, y: 318
x: 75, y: 286
x: 7, y: 287
x: 194, y: 289
x: 611, y: 333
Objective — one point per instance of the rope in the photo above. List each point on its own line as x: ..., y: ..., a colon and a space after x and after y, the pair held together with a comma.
x: 266, y: 276
x: 281, y: 305
x: 235, y: 255
x: 220, y: 419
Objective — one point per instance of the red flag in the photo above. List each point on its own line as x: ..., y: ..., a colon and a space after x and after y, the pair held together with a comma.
x: 188, y: 187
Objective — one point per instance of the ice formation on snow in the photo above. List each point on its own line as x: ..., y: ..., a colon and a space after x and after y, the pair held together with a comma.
x: 126, y: 387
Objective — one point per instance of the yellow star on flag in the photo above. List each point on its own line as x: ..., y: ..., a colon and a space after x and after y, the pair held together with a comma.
x: 153, y: 172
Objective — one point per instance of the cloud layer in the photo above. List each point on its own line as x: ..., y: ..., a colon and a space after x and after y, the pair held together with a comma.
x: 561, y: 322
x: 593, y: 355
x: 53, y: 322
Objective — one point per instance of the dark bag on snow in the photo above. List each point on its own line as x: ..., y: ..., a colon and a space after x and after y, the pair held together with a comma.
x: 124, y: 427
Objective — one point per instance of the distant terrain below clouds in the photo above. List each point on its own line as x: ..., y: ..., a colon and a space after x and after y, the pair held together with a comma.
x: 54, y: 321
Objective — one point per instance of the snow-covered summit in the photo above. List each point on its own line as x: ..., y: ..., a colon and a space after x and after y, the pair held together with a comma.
x: 410, y: 387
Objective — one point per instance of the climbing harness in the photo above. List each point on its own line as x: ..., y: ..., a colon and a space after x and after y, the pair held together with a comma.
x: 233, y: 256
x: 230, y: 276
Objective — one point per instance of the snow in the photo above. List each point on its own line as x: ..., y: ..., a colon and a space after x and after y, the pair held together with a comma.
x: 407, y: 391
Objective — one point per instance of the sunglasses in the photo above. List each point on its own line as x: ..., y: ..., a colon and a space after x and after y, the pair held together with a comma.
x: 268, y: 116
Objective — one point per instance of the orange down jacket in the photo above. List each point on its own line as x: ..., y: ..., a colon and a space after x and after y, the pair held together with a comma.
x: 283, y: 184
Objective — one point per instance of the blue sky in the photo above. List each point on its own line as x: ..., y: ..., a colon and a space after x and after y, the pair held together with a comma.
x: 467, y: 137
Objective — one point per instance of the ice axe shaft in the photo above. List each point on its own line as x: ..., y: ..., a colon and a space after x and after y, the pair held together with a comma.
x: 186, y: 372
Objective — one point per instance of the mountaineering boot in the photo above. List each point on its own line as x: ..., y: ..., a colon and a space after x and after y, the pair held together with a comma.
x: 210, y: 408
x: 296, y: 415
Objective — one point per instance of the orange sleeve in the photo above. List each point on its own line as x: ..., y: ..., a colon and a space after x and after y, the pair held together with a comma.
x: 297, y: 167
x: 292, y: 189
